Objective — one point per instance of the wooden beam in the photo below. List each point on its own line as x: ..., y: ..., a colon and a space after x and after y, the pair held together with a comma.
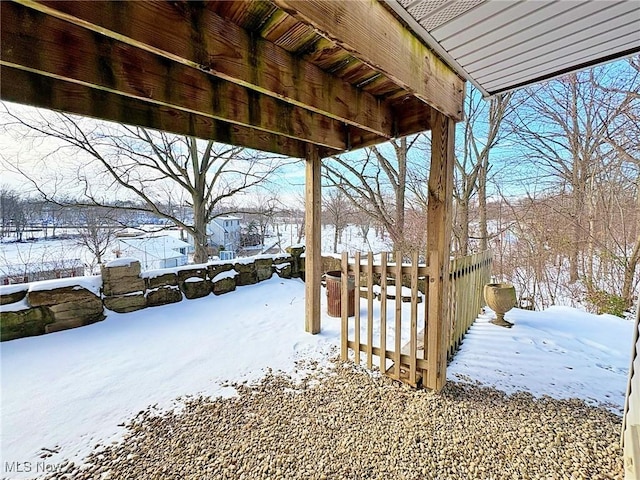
x: 190, y: 33
x: 372, y: 34
x: 30, y: 88
x: 439, y: 206
x: 56, y: 48
x: 313, y: 258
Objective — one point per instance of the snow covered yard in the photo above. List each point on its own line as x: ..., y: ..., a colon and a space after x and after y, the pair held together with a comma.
x: 561, y: 352
x: 65, y: 393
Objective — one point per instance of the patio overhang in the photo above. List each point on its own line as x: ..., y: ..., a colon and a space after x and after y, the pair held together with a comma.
x: 276, y: 76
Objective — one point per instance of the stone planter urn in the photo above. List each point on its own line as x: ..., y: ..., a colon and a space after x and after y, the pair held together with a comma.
x: 500, y: 297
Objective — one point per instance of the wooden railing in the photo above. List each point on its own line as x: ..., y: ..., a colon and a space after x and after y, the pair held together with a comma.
x: 467, y: 276
x: 397, y: 334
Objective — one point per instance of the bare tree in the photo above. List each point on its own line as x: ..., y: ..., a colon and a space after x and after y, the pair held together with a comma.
x: 11, y: 212
x: 562, y: 126
x: 337, y: 212
x: 97, y: 232
x: 132, y: 162
x: 623, y: 136
x: 482, y: 133
x: 262, y: 211
x: 375, y: 182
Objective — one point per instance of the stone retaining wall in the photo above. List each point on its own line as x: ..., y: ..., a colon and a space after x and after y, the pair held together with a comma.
x: 44, y: 307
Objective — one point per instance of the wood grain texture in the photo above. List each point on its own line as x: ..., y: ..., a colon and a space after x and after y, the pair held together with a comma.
x: 439, y: 245
x: 367, y: 30
x: 56, y: 48
x: 344, y: 309
x: 26, y: 87
x: 356, y: 273
x: 189, y: 32
x: 313, y: 256
x: 370, y: 309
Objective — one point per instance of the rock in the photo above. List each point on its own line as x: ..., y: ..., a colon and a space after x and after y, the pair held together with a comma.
x: 263, y: 268
x: 73, y: 322
x: 76, y: 314
x: 163, y: 296
x: 330, y: 264
x: 247, y: 274
x: 126, y: 303
x: 68, y: 307
x: 165, y: 280
x: 24, y: 323
x: 214, y: 270
x: 343, y: 422
x: 122, y: 279
x: 283, y: 269
x: 297, y: 262
x: 187, y: 274
x: 224, y: 285
x: 195, y: 288
x: 58, y: 296
x: 13, y: 294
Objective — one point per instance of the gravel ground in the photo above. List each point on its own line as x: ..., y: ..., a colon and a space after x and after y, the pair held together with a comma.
x: 348, y: 424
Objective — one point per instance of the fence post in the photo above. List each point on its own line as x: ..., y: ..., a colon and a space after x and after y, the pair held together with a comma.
x: 344, y: 307
x: 439, y: 210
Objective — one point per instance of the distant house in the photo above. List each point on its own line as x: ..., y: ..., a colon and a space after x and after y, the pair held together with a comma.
x: 224, y: 231
x: 154, y: 252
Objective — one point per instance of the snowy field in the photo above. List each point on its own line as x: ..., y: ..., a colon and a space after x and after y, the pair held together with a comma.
x: 67, y: 392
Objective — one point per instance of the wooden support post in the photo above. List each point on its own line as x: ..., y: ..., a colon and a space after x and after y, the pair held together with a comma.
x: 439, y: 244
x: 313, y: 258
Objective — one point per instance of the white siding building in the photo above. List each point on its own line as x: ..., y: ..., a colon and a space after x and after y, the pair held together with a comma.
x: 155, y: 252
x: 224, y: 231
x: 631, y: 421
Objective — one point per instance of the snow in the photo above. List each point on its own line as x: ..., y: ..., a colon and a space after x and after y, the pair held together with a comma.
x: 41, y: 255
x: 16, y: 287
x: 561, y: 352
x: 92, y: 283
x: 69, y: 391
x: 15, y: 306
x: 223, y: 275
x: 121, y: 262
x: 194, y: 280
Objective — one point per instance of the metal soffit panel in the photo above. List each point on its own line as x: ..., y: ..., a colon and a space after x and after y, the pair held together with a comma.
x: 502, y: 45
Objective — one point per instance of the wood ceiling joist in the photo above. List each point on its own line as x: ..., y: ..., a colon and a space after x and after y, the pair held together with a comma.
x: 371, y: 33
x: 56, y: 48
x: 22, y: 86
x: 190, y: 33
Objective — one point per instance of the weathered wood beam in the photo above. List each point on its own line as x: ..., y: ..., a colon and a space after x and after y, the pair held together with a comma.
x: 439, y: 208
x: 190, y: 33
x: 31, y: 88
x: 312, y: 233
x: 56, y: 48
x: 372, y: 34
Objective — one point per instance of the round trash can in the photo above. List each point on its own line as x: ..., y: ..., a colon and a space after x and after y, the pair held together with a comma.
x: 334, y: 295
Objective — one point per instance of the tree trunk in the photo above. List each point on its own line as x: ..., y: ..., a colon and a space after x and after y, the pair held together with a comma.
x: 482, y: 203
x: 634, y: 260
x: 463, y: 207
x: 200, y: 243
x: 574, y: 248
x: 400, y: 192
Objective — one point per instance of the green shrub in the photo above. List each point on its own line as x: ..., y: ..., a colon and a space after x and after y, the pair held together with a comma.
x: 605, y: 302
